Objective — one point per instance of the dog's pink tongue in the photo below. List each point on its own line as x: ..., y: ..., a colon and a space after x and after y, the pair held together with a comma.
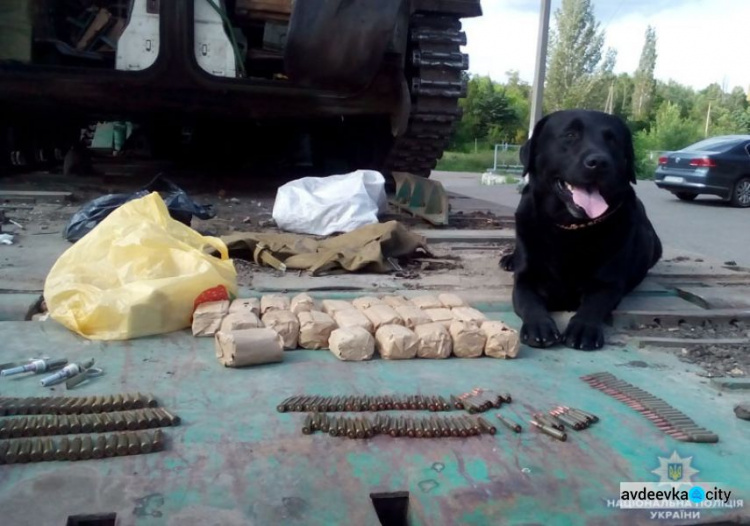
x: 592, y: 202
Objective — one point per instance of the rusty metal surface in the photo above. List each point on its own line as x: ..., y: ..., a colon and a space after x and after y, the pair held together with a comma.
x: 339, y: 44
x: 235, y: 460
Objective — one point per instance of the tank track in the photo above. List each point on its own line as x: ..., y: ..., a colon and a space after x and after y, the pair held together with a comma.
x: 435, y: 68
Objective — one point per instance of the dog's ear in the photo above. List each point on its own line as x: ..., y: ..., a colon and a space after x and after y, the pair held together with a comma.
x: 629, y: 152
x: 528, y: 150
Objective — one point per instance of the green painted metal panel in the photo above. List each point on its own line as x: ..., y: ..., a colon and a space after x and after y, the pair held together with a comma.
x: 235, y: 460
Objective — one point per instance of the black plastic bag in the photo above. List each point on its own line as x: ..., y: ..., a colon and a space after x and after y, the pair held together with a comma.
x: 179, y: 204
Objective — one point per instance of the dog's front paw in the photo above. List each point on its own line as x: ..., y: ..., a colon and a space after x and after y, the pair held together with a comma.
x: 584, y: 335
x: 507, y: 262
x: 540, y: 333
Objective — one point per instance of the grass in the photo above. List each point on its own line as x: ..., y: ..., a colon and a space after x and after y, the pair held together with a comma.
x: 478, y: 162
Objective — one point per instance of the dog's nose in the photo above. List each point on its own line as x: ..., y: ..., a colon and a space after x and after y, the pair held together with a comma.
x: 595, y: 162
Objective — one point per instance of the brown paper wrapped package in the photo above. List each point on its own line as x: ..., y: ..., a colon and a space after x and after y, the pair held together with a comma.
x: 427, y: 302
x: 381, y: 315
x: 365, y: 302
x: 502, y: 341
x: 302, y: 303
x: 413, y: 316
x: 352, y: 344
x: 353, y: 318
x: 284, y: 322
x: 273, y: 302
x: 468, y: 339
x: 395, y: 301
x: 434, y: 341
x: 451, y: 300
x: 469, y: 315
x: 315, y: 329
x: 249, y: 347
x: 441, y: 315
x: 241, y: 305
x: 396, y: 342
x: 208, y: 316
x: 239, y: 321
x: 331, y: 307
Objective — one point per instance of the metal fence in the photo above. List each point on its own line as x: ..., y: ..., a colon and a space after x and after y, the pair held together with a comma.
x: 506, y: 159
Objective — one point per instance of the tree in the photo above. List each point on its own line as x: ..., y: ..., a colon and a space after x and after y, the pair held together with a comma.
x: 645, y: 85
x: 575, y: 63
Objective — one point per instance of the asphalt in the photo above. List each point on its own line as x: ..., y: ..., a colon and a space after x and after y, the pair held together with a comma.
x: 706, y: 226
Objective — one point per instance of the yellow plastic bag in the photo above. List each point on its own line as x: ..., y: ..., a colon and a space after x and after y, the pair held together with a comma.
x: 138, y: 273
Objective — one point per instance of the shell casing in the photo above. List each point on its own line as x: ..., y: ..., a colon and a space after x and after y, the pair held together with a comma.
x: 427, y: 428
x: 74, y: 424
x: 551, y: 431
x: 37, y: 450
x: 307, y: 425
x: 325, y: 423
x: 486, y: 426
x: 53, y: 425
x: 446, y: 406
x: 373, y: 403
x: 99, y: 446
x: 411, y: 432
x: 516, y: 428
x: 11, y: 456
x: 106, y: 404
x: 457, y: 403
x: 351, y: 428
x: 61, y: 453
x: 118, y: 403
x: 140, y: 401
x: 130, y: 421
x: 24, y: 452
x: 5, y: 425
x: 157, y: 440
x: 39, y: 427
x: 331, y: 404
x: 581, y: 420
x: 464, y: 430
x: 164, y: 419
x: 87, y: 448
x: 393, y: 428
x: 341, y: 426
x: 589, y: 416
x: 134, y: 444
x: 87, y: 423
x: 48, y: 451
x: 418, y: 428
x: 359, y: 427
x: 127, y: 401
x: 333, y: 429
x: 439, y: 423
x: 146, y: 444
x: 150, y: 401
x: 468, y: 426
x: 96, y: 405
x: 4, y: 447
x: 506, y: 398
x: 382, y: 404
x: 122, y: 444
x: 153, y: 418
x: 74, y: 452
x: 17, y: 426
x: 312, y: 404
x: 98, y: 423
x: 447, y: 431
x: 110, y: 448
x: 284, y: 406
x: 299, y: 404
x: 340, y: 403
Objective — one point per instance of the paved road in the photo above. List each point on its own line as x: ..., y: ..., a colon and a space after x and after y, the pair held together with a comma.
x: 706, y: 226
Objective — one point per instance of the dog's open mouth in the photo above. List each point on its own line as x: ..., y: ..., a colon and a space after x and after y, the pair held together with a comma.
x: 582, y: 202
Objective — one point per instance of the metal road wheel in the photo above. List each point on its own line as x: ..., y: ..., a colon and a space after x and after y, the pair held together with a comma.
x: 685, y: 196
x: 741, y: 193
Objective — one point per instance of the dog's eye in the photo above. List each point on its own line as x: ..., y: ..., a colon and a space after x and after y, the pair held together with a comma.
x: 571, y: 135
x: 609, y: 136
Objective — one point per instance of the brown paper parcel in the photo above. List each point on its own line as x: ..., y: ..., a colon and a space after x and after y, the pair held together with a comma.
x: 427, y: 302
x: 241, y: 305
x: 353, y: 318
x: 413, y: 316
x: 352, y: 344
x: 284, y: 322
x: 240, y: 321
x: 315, y: 329
x: 208, y: 316
x: 434, y: 341
x: 396, y: 342
x: 365, y: 302
x: 273, y: 302
x: 441, y: 315
x: 451, y: 300
x: 248, y: 347
x: 395, y: 300
x: 469, y: 315
x: 302, y: 303
x: 468, y: 339
x: 502, y: 341
x: 381, y: 315
x: 331, y: 307
x: 365, y: 249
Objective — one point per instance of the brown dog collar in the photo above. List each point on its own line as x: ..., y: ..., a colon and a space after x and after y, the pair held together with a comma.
x: 592, y: 222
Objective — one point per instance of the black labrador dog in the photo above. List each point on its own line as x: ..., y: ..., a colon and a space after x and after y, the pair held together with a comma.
x: 583, y: 240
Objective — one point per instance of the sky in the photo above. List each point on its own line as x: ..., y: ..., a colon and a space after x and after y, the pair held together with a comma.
x: 698, y: 41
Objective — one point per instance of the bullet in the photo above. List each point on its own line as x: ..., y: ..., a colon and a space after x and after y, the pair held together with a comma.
x: 106, y: 404
x: 331, y: 404
x: 149, y: 400
x: 551, y: 431
x: 486, y: 426
x: 333, y: 428
x: 341, y: 427
x: 48, y: 450
x: 4, y: 446
x: 157, y: 440
x: 17, y: 426
x: 130, y: 422
x: 299, y: 404
x: 351, y: 428
x: 567, y: 421
x: 590, y: 416
x: 393, y: 427
x: 24, y: 452
x: 411, y: 432
x: 470, y: 406
x: 87, y: 423
x: 128, y: 400
x: 5, y: 425
x: 61, y: 452
x: 507, y: 423
x: 122, y: 444
x: 37, y: 450
x: 74, y: 424
x: 471, y: 425
x: 444, y: 403
x: 282, y: 407
x: 110, y: 448
x: 445, y: 427
x: 97, y: 450
x: 152, y: 417
x: 74, y: 452
x: 506, y: 398
x: 359, y: 428
x: 87, y: 448
x: 548, y: 421
x: 458, y: 404
x: 118, y: 403
x: 307, y: 425
x: 134, y: 444
x: 164, y: 420
x: 581, y: 421
x: 53, y: 425
x: 11, y: 456
x: 146, y: 442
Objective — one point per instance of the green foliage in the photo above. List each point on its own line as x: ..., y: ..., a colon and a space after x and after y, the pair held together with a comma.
x: 643, y: 81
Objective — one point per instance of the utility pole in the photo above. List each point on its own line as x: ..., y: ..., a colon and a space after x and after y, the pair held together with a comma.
x: 537, y: 95
x: 708, y: 119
